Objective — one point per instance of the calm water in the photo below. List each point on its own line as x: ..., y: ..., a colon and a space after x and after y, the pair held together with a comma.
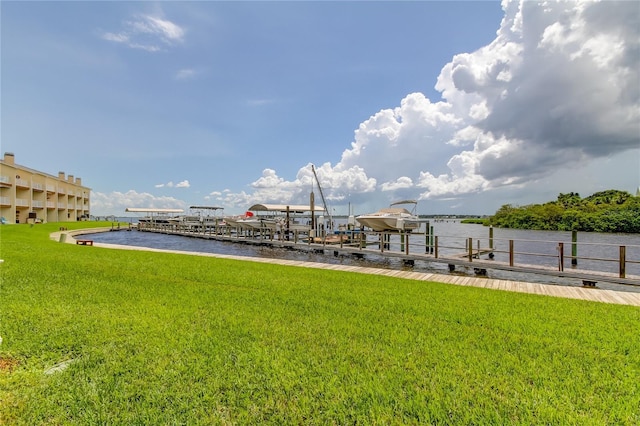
x: 452, y: 236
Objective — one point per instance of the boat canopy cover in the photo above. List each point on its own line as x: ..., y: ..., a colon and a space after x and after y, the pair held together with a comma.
x: 206, y: 208
x: 283, y: 208
x: 393, y: 210
x: 404, y: 202
x: 149, y: 210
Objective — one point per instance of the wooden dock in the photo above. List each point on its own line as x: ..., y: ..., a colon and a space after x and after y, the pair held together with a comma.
x: 379, y: 248
x: 553, y: 290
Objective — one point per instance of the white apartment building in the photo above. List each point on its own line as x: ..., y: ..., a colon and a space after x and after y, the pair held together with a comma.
x: 28, y: 196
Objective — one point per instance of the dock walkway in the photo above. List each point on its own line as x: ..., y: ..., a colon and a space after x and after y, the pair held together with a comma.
x: 590, y: 294
x: 453, y: 260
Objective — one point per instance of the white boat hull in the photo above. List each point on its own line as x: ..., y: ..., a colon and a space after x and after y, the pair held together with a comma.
x: 392, y: 218
x: 389, y: 223
x: 251, y: 223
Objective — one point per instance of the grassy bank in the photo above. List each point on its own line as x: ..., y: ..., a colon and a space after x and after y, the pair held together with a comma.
x: 155, y: 338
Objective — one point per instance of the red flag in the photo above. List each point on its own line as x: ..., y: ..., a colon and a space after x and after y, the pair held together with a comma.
x: 248, y: 214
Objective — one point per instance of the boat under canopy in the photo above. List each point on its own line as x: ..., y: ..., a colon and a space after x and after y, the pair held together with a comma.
x: 156, y: 215
x: 392, y: 218
x: 275, y: 217
x: 282, y: 208
x: 200, y: 215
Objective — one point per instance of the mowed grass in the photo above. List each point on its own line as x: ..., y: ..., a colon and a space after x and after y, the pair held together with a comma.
x: 155, y: 338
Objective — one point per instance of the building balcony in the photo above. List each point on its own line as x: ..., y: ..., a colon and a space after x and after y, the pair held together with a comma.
x: 21, y: 202
x: 51, y: 188
x: 37, y: 204
x: 5, y: 201
x: 38, y: 187
x: 51, y: 205
x: 22, y: 183
x: 5, y: 181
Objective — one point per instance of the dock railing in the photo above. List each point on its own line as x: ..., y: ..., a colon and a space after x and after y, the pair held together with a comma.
x: 521, y: 254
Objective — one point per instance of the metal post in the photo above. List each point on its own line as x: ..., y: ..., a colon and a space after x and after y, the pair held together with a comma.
x: 574, y: 248
x: 623, y: 255
x: 312, y: 205
x: 401, y: 241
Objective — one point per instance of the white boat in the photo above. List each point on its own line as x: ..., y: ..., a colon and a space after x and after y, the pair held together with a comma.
x: 249, y: 221
x: 245, y: 221
x: 201, y: 216
x: 275, y: 217
x: 289, y: 217
x: 392, y: 218
x: 163, y: 216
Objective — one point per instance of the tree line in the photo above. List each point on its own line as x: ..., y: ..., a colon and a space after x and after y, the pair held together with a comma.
x: 605, y: 211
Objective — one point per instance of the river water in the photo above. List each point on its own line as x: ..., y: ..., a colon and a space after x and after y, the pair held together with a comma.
x: 452, y: 237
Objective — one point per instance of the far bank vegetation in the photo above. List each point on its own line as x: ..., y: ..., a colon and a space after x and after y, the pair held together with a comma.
x: 605, y: 211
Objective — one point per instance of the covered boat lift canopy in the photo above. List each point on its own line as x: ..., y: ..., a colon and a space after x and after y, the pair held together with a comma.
x: 206, y: 208
x: 156, y: 215
x: 293, y: 208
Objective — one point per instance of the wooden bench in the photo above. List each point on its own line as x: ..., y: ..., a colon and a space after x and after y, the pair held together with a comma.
x: 84, y: 242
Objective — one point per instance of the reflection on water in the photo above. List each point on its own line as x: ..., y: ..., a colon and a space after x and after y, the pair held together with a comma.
x: 451, y: 233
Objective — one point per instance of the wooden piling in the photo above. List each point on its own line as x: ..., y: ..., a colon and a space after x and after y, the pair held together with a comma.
x: 491, y: 237
x: 510, y: 252
x: 436, y: 247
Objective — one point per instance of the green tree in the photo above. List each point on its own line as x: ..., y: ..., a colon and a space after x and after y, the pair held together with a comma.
x: 605, y: 211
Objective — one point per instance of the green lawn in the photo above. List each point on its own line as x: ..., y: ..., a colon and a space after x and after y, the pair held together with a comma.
x: 156, y: 338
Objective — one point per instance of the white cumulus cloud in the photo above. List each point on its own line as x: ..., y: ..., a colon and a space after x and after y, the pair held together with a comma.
x: 170, y: 184
x: 558, y: 88
x: 115, y: 203
x: 146, y: 32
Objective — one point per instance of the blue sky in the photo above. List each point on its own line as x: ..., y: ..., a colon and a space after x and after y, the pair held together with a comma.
x: 465, y: 106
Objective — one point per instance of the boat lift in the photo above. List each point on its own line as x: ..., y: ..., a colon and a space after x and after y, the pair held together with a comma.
x: 154, y: 214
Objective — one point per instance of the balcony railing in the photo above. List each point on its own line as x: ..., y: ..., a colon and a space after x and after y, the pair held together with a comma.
x: 5, y: 201
x: 21, y: 202
x: 23, y: 183
x: 5, y: 180
x: 38, y: 187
